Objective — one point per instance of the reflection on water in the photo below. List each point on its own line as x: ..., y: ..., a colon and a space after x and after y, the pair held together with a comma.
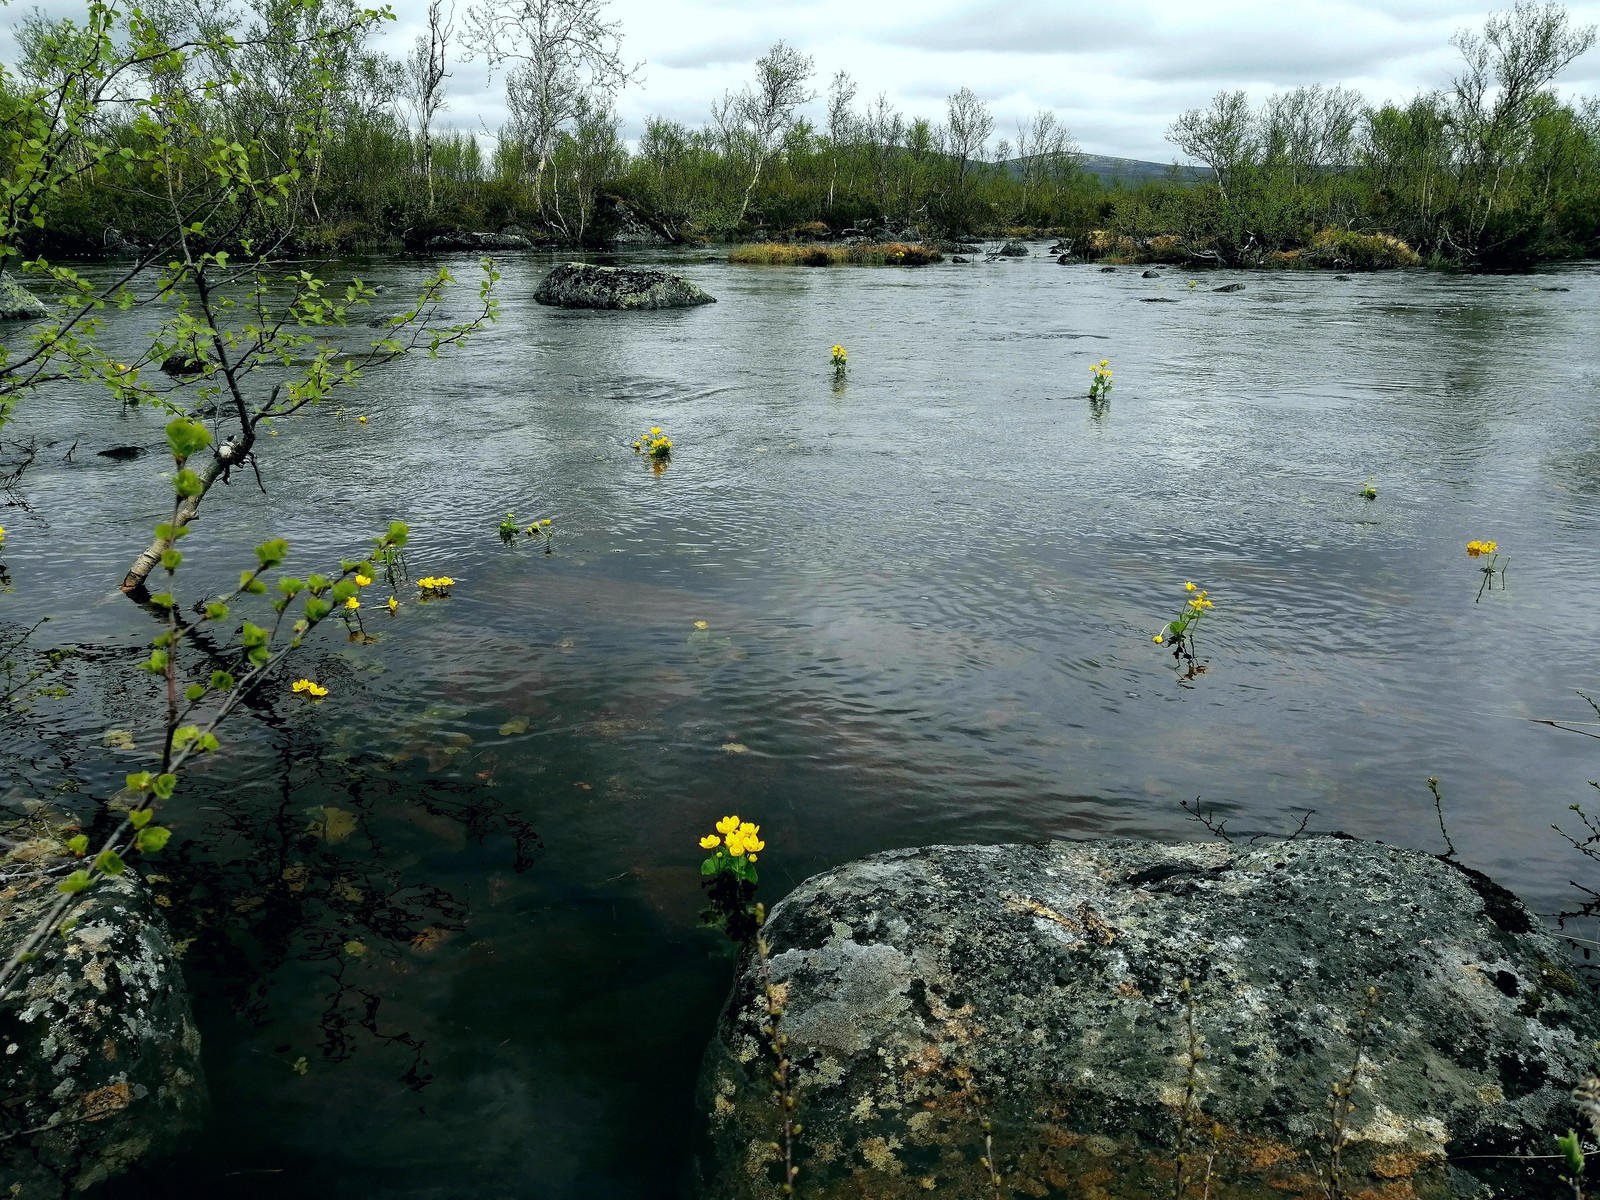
x: 442, y: 928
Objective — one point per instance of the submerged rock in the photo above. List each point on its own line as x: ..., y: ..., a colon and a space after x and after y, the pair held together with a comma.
x: 1230, y: 287
x: 959, y: 259
x: 1107, y: 270
x: 17, y: 303
x: 1150, y: 275
x: 1157, y: 300
x: 1042, y: 989
x: 581, y: 285
x: 99, y: 1055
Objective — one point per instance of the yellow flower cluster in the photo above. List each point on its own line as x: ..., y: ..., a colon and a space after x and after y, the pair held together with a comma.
x: 740, y: 838
x: 1476, y: 549
x: 2, y: 537
x: 352, y: 604
x: 655, y: 443
x: 1199, y: 602
x: 315, y: 691
x: 436, y: 585
x: 840, y: 356
x: 1101, y: 369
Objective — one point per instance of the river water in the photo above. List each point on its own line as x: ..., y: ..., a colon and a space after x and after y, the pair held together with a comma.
x: 928, y: 593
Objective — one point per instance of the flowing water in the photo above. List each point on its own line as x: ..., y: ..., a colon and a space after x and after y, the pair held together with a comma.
x: 929, y: 593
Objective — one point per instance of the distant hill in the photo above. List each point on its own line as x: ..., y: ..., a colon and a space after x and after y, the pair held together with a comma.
x: 1128, y: 171
x: 1135, y: 170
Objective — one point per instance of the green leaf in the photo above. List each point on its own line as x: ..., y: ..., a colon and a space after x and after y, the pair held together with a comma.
x: 164, y: 785
x: 78, y: 881
x: 140, y: 817
x: 186, y: 437
x: 78, y: 845
x: 270, y: 554
x: 140, y: 781
x: 171, y: 559
x: 216, y: 611
x: 317, y: 608
x: 221, y: 681
x: 194, y: 691
x: 187, y: 483
x: 110, y: 862
x: 151, y: 838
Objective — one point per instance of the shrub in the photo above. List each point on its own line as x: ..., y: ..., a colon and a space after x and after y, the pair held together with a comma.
x: 890, y: 254
x: 1360, y: 251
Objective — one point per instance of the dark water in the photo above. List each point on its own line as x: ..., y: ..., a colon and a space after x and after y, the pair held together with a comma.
x: 929, y: 597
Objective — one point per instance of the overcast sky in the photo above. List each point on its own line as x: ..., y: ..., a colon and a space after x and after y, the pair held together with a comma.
x: 1117, y: 74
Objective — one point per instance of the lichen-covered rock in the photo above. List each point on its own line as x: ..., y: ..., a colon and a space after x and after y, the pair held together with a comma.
x: 1013, y: 250
x: 462, y: 239
x: 1040, y: 990
x: 99, y: 1055
x: 582, y: 285
x: 17, y: 303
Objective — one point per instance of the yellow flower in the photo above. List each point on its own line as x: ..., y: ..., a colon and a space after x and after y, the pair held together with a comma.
x: 1474, y: 548
x: 1490, y: 547
x: 352, y: 604
x: 1188, y: 587
x: 702, y: 625
x: 736, y: 844
x: 655, y: 431
x: 393, y: 604
x: 753, y: 857
x: 310, y: 689
x: 710, y: 842
x: 1159, y: 640
x: 361, y: 420
x: 363, y: 581
x: 2, y: 535
x: 727, y: 825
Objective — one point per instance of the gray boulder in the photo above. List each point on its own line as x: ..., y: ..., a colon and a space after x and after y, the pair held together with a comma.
x: 1013, y: 250
x: 17, y: 303
x: 461, y: 239
x: 99, y: 1055
x: 1035, y: 996
x: 1230, y: 287
x: 581, y: 285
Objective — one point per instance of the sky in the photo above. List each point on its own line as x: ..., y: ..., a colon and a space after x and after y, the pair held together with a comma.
x: 1117, y: 74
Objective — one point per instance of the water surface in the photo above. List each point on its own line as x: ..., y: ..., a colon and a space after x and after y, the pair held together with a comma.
x: 929, y: 595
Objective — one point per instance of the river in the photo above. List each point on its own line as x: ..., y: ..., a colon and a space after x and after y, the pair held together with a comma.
x: 928, y: 593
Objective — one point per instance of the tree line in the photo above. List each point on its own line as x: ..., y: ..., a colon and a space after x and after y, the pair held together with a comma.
x: 1493, y: 170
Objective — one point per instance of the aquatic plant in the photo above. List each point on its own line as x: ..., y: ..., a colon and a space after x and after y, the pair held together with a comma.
x: 543, y: 529
x: 655, y: 444
x: 1100, y: 380
x: 508, y: 528
x: 308, y: 688
x: 1368, y: 491
x: 435, y: 587
x: 1179, y: 633
x: 841, y: 359
x: 1490, y: 569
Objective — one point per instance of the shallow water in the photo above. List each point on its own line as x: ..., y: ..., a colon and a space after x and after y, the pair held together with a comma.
x: 930, y: 594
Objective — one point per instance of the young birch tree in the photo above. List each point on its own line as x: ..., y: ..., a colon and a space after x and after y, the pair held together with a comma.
x: 425, y: 75
x: 564, y: 60
x: 763, y: 112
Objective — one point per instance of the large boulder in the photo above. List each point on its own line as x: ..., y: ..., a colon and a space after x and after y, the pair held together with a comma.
x: 1013, y: 250
x: 1028, y: 1004
x: 582, y: 285
x: 99, y: 1055
x: 462, y: 239
x: 17, y: 303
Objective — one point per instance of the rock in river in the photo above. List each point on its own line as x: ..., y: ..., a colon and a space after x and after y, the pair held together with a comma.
x: 1013, y: 250
x: 1230, y: 287
x: 99, y: 1055
x: 1041, y: 989
x: 581, y: 285
x: 17, y: 303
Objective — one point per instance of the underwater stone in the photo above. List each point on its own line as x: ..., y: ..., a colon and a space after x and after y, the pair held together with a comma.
x: 1041, y: 988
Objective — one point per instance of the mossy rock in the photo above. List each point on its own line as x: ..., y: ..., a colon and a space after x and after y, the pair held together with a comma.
x: 582, y: 285
x: 1041, y: 989
x: 17, y: 303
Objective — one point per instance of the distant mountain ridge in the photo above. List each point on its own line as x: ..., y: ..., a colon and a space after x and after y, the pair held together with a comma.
x: 1137, y: 170
x: 1128, y: 171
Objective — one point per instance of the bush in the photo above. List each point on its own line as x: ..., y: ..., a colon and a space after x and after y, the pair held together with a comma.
x: 787, y: 254
x: 1359, y: 251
